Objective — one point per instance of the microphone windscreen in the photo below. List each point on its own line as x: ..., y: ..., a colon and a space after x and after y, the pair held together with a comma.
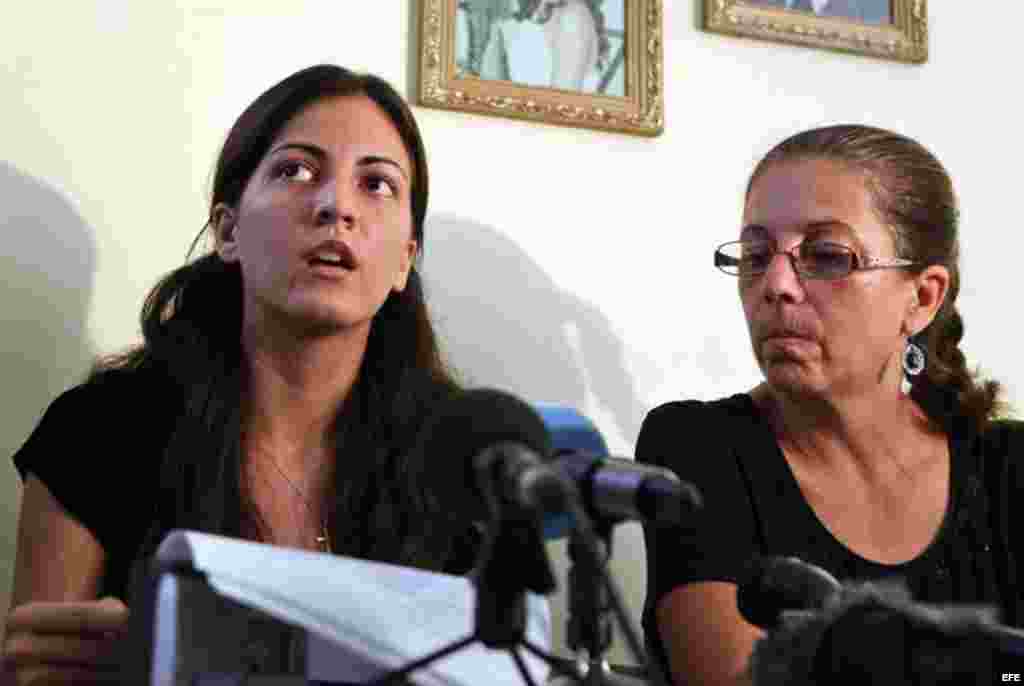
x: 772, y: 585
x: 472, y: 421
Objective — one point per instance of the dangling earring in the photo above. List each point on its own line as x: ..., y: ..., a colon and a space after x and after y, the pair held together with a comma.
x: 914, y: 361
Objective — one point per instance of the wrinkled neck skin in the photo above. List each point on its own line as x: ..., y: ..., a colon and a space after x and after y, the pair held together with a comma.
x: 869, y: 430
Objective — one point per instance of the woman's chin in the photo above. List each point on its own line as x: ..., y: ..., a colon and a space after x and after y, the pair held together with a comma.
x: 325, y: 318
x: 791, y: 378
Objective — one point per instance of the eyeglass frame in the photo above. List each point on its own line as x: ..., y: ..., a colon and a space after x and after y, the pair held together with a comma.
x: 859, y: 264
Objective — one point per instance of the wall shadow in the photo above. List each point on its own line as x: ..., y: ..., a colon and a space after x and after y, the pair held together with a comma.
x: 48, y: 265
x: 506, y: 324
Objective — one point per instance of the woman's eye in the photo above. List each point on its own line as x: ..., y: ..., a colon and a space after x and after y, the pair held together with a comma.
x: 379, y: 185
x: 295, y: 171
x: 757, y: 257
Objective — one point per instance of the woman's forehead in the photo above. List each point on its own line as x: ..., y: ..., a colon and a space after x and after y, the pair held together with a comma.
x: 812, y: 196
x: 347, y: 124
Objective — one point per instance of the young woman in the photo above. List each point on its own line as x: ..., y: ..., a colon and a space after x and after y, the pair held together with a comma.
x: 279, y: 390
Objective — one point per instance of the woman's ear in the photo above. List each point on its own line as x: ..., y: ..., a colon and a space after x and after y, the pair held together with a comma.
x: 931, y: 287
x: 408, y: 260
x: 225, y: 228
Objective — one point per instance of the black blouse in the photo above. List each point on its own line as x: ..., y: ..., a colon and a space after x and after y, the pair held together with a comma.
x: 754, y: 506
x: 99, y: 449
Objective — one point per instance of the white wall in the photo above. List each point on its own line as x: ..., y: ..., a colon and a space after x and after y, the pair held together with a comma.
x: 576, y: 270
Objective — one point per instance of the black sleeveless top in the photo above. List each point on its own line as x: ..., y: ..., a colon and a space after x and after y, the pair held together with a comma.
x: 754, y: 506
x: 99, y: 449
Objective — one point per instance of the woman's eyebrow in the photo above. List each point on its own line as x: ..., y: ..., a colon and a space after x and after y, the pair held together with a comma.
x: 314, y: 150
x: 378, y: 159
x: 753, y: 231
x: 760, y: 231
x: 829, y: 223
x: 319, y: 153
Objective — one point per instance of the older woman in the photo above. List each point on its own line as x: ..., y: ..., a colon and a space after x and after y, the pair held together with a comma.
x: 870, y: 449
x: 278, y: 392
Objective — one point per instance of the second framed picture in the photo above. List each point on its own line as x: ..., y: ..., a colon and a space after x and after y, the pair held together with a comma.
x: 587, y: 63
x: 891, y: 29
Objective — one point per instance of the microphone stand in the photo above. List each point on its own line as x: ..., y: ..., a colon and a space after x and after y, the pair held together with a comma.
x: 512, y: 561
x: 593, y: 599
x: 589, y: 626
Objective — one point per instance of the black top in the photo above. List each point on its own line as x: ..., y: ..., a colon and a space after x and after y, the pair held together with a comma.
x: 99, y: 449
x: 754, y: 506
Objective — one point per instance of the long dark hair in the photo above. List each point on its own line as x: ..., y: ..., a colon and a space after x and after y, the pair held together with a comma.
x: 914, y: 194
x: 191, y: 322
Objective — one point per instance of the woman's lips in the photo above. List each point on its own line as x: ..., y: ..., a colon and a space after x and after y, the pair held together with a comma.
x: 787, y: 346
x: 788, y: 337
x: 331, y: 272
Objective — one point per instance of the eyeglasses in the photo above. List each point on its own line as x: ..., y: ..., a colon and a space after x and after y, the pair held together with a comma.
x: 810, y: 259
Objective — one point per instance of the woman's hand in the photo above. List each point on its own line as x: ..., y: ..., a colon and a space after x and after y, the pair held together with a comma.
x: 63, y: 642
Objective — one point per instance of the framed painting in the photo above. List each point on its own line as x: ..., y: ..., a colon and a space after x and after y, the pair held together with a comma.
x: 891, y: 29
x: 586, y: 63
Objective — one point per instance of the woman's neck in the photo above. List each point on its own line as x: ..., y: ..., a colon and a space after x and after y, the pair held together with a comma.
x: 870, y: 431
x: 295, y: 388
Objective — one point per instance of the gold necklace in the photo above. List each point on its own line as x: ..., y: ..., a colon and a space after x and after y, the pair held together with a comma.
x: 323, y: 539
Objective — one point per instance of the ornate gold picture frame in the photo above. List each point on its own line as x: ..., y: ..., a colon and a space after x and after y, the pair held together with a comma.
x: 585, y: 63
x: 891, y: 29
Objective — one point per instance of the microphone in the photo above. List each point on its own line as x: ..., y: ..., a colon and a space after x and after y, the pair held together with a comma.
x: 531, y: 477
x: 872, y: 631
x: 503, y: 447
x: 613, y: 489
x: 773, y: 586
x: 618, y: 488
x: 498, y: 444
x: 532, y: 455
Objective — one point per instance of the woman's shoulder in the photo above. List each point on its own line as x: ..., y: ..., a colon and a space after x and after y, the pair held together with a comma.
x: 992, y: 459
x: 103, y: 386
x: 1001, y: 440
x: 1006, y: 429
x: 702, y: 415
x: 110, y: 403
x: 124, y: 389
x: 98, y: 447
x: 707, y: 426
x: 143, y: 375
x: 1001, y: 445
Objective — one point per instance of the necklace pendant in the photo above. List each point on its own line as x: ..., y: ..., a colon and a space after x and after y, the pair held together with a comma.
x: 323, y: 541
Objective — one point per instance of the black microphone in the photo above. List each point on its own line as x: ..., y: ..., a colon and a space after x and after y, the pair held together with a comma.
x: 617, y: 488
x: 501, y: 446
x: 498, y: 445
x: 495, y: 436
x: 871, y: 631
x: 612, y: 489
x: 772, y: 586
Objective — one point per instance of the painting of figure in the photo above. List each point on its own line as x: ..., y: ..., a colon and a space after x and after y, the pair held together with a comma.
x: 886, y: 29
x: 865, y: 11
x: 571, y: 45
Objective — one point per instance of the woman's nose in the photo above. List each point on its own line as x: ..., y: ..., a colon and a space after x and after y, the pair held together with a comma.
x: 334, y: 206
x: 781, y: 280
x: 326, y: 214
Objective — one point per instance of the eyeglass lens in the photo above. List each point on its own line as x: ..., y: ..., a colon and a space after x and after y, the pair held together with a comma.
x: 815, y: 258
